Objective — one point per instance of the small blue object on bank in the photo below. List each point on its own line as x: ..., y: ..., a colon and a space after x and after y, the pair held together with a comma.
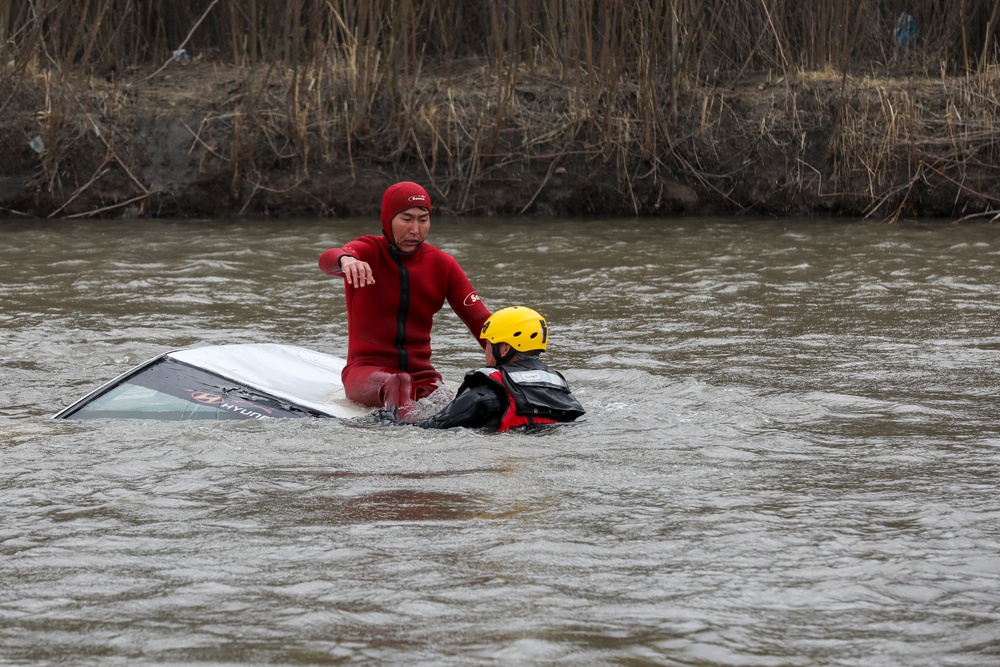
x: 38, y: 145
x: 181, y: 56
x: 907, y: 33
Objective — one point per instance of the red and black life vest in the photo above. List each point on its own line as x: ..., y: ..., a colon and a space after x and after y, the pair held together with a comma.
x: 536, y: 394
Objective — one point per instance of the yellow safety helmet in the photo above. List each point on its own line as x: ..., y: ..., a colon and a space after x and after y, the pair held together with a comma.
x: 521, y: 328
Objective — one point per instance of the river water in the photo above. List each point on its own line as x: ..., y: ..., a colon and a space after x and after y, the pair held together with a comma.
x: 791, y: 454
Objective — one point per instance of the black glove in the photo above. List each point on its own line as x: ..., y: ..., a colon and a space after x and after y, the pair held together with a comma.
x: 388, y: 416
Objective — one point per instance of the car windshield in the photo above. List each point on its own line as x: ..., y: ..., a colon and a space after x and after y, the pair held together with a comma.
x: 172, y: 390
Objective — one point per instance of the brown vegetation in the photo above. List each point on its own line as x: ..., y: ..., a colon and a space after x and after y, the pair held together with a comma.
x: 311, y: 107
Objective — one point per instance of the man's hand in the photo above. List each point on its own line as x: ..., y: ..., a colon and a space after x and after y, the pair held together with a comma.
x: 356, y: 272
x: 388, y: 416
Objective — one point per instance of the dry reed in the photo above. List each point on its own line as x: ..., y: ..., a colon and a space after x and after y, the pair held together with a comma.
x: 479, y: 91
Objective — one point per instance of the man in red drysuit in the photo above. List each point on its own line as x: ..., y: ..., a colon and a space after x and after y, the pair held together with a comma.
x: 394, y: 284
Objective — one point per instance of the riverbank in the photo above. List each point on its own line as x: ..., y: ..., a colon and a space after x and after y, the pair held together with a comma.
x: 204, y: 140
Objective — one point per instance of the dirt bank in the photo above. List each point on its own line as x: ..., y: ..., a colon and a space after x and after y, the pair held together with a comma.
x: 204, y: 140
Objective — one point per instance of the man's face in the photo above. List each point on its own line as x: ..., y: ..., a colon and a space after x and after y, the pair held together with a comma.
x: 409, y: 229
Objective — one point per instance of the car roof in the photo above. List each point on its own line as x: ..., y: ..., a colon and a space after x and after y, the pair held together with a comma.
x: 301, y: 376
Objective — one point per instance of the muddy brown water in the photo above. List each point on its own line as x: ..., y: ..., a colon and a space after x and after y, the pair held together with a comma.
x: 791, y: 454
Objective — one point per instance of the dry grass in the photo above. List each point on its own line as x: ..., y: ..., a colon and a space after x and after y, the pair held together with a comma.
x: 473, y: 92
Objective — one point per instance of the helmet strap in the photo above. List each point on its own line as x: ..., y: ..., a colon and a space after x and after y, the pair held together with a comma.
x: 501, y: 360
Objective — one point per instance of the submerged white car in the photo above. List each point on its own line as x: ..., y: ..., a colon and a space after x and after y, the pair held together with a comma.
x: 240, y: 381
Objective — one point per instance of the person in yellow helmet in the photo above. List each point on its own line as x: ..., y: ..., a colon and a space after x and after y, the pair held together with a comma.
x: 517, y: 389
